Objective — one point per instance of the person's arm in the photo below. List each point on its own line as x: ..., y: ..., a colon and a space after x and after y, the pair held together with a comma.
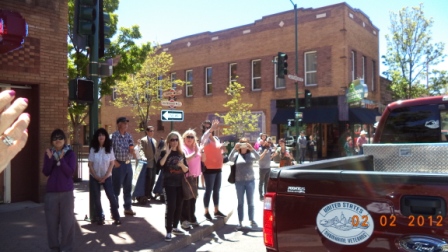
x: 264, y: 153
x: 68, y: 163
x: 48, y: 163
x: 183, y: 165
x: 165, y: 156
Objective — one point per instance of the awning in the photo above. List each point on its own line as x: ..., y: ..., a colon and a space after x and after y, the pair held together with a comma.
x: 282, y: 115
x: 320, y: 115
x: 310, y: 115
x: 363, y: 115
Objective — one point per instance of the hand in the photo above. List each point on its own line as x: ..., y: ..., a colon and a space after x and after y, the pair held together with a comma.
x: 13, y: 124
x: 49, y: 153
x: 116, y: 164
x: 215, y: 125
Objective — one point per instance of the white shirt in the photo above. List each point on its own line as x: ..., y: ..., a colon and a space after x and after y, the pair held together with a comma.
x: 101, y: 160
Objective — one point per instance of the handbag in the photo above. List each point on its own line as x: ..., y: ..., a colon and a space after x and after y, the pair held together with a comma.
x: 231, y: 178
x: 188, y: 188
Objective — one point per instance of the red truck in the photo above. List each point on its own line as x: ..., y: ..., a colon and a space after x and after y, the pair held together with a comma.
x: 392, y: 198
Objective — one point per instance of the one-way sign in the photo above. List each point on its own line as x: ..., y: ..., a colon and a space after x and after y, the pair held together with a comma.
x: 172, y: 115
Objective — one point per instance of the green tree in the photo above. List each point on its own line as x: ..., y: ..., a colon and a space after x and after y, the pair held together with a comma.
x: 142, y: 91
x: 239, y: 118
x: 123, y: 47
x: 410, y: 52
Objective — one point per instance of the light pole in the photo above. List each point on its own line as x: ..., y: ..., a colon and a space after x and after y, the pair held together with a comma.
x: 296, y: 114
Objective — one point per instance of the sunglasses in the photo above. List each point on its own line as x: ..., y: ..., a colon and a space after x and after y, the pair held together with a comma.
x: 190, y: 137
x: 150, y: 130
x: 174, y: 140
x: 57, y: 138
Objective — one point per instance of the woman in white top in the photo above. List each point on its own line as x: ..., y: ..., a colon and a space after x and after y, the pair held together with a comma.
x: 101, y: 163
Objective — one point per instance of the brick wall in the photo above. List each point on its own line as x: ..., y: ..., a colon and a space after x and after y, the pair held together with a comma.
x: 332, y: 31
x: 42, y: 65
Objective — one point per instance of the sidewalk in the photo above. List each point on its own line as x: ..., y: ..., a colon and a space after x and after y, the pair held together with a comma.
x: 23, y: 223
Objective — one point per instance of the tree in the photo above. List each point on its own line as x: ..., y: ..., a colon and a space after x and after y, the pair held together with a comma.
x: 239, y: 118
x: 131, y: 58
x: 142, y: 91
x: 410, y: 51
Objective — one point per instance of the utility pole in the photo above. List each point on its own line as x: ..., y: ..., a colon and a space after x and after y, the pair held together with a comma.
x: 296, y: 115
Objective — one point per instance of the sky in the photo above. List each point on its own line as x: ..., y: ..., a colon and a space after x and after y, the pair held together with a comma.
x: 161, y: 21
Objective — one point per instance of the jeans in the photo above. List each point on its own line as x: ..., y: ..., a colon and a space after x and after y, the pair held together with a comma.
x: 248, y: 188
x: 212, y: 183
x: 122, y: 176
x: 264, y: 178
x: 302, y: 155
x: 173, y: 200
x: 95, y: 186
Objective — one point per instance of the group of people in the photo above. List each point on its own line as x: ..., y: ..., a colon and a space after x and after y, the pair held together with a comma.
x: 355, y: 147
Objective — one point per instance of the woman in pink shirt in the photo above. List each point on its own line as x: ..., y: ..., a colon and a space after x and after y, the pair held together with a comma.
x: 194, y: 156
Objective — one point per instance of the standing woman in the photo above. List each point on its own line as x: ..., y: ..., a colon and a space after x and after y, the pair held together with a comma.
x: 311, y: 147
x: 244, y: 155
x: 101, y: 163
x: 59, y: 166
x: 174, y: 166
x: 194, y: 156
x: 283, y: 154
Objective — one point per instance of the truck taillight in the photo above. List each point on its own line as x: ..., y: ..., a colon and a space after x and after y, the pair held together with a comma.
x: 269, y: 220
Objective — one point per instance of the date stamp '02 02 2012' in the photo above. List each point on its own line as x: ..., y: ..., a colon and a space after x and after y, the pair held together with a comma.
x: 391, y: 221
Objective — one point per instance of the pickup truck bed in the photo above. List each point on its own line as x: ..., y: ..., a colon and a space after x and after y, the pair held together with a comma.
x: 350, y: 207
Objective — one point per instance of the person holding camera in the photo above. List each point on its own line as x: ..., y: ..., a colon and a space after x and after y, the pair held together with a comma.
x: 244, y: 156
x: 266, y: 155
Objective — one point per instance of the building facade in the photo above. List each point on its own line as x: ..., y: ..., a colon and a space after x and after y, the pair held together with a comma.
x: 38, y: 72
x: 336, y: 45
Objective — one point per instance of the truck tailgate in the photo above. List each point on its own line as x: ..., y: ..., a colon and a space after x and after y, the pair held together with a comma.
x: 341, y: 210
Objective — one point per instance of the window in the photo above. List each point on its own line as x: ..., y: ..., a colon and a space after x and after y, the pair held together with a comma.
x: 310, y: 68
x: 353, y: 65
x: 279, y: 83
x: 373, y: 75
x: 160, y: 95
x: 189, y: 83
x: 232, y: 73
x: 114, y: 94
x: 256, y: 74
x: 208, y: 81
x: 173, y: 79
x: 364, y: 68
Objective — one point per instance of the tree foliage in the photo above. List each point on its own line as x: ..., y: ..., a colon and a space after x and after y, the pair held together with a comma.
x: 131, y: 57
x: 410, y: 52
x: 142, y: 91
x: 239, y: 118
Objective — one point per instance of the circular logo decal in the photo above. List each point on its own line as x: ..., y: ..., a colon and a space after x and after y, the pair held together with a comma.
x: 345, y: 223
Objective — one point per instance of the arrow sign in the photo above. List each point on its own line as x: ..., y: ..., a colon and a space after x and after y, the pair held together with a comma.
x: 172, y: 92
x: 295, y: 77
x: 172, y: 115
x: 171, y: 103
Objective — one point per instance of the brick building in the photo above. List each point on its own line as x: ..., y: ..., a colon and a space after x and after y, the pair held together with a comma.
x: 37, y: 71
x: 336, y: 44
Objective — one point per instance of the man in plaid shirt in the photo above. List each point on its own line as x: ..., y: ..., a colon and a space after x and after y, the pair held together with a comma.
x: 122, y: 174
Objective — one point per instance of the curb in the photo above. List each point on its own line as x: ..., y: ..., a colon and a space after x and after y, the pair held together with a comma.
x: 194, y: 235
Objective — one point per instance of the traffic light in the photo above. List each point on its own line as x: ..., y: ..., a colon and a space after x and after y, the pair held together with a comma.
x: 104, y: 31
x: 81, y: 90
x: 307, y: 98
x: 282, y: 65
x: 85, y: 16
x: 13, y: 30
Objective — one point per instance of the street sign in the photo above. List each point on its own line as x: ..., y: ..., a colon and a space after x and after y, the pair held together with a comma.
x: 295, y: 77
x: 172, y: 92
x: 172, y: 115
x: 299, y: 115
x: 171, y: 103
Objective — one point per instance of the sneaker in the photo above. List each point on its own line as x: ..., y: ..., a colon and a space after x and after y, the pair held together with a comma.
x: 208, y: 216
x: 117, y: 222
x: 100, y: 222
x: 129, y: 212
x: 195, y: 223
x: 177, y: 231
x: 186, y: 225
x: 253, y: 224
x: 219, y: 215
x: 168, y: 237
x: 239, y: 226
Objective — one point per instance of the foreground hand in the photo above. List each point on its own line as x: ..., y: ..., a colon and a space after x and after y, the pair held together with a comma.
x: 13, y: 126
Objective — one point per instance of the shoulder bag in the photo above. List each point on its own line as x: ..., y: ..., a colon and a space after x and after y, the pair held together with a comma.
x: 231, y: 178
